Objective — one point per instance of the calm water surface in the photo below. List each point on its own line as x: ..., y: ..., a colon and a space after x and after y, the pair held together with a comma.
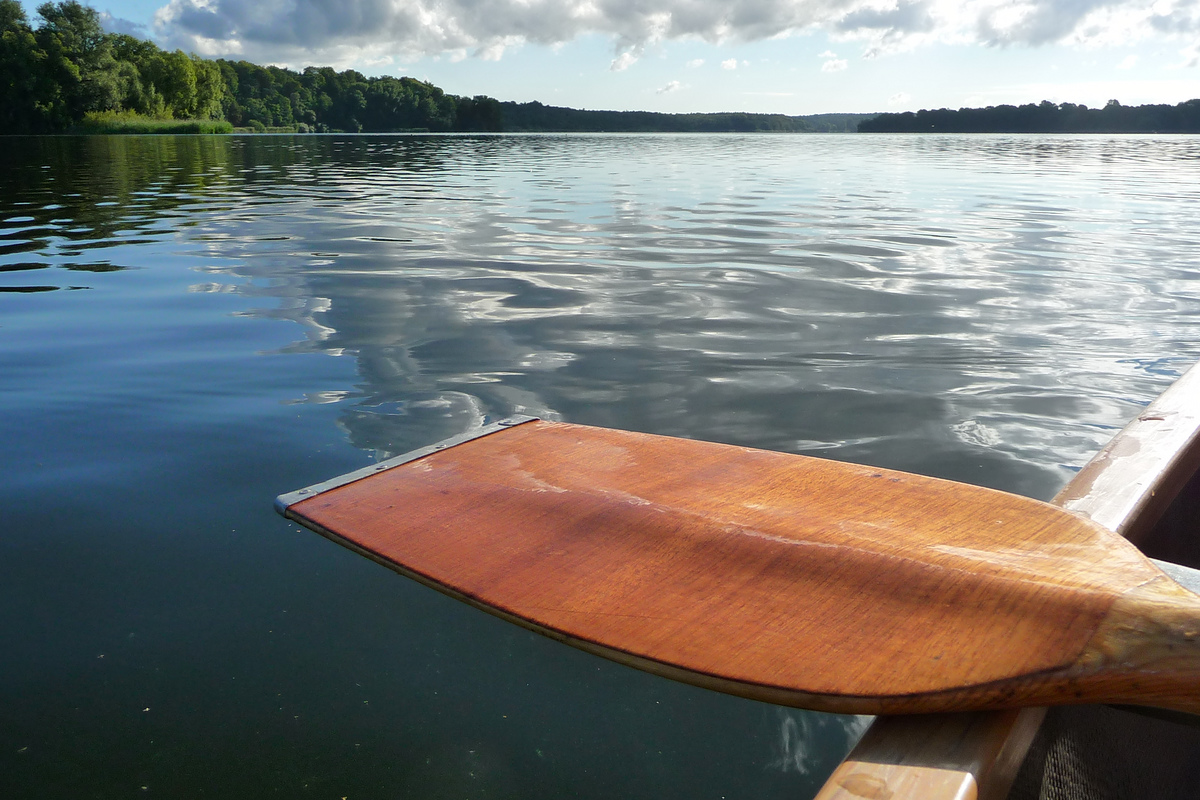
x: 190, y: 326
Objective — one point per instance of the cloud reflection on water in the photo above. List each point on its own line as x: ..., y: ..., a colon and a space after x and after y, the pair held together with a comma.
x: 939, y: 304
x: 877, y: 300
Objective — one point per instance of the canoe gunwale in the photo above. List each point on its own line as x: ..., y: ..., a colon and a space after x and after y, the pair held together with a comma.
x: 1129, y: 484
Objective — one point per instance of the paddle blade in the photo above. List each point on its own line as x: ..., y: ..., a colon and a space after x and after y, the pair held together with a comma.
x: 778, y: 577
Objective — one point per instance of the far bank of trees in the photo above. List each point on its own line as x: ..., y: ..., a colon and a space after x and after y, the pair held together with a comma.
x: 67, y: 67
x: 322, y: 99
x: 67, y: 74
x: 1044, y: 117
x: 538, y: 117
x: 51, y: 76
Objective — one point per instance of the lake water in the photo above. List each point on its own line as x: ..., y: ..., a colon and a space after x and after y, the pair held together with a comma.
x: 190, y: 326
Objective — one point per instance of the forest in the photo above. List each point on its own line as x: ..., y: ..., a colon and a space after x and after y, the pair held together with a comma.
x: 538, y: 117
x: 1044, y: 117
x: 66, y: 74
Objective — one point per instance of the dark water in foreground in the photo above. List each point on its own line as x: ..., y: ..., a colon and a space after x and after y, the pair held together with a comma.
x: 190, y: 326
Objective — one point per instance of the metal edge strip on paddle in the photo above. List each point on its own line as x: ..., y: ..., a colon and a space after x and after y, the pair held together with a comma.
x: 284, y: 501
x: 1186, y: 577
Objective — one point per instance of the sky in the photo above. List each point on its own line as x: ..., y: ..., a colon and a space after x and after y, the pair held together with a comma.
x: 770, y: 56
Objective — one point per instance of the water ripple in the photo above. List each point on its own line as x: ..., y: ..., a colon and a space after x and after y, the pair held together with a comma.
x: 921, y: 302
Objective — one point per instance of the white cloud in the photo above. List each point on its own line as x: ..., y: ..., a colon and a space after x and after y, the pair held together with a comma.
x: 729, y: 63
x: 899, y: 99
x: 1128, y: 62
x: 835, y: 65
x: 696, y: 62
x: 673, y: 86
x: 623, y: 62
x: 494, y: 50
x: 828, y: 54
x: 332, y: 31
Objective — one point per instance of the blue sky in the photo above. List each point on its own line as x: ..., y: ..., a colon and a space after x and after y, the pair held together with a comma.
x: 785, y: 56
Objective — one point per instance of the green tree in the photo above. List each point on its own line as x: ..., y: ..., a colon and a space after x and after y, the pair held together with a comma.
x: 479, y: 113
x: 29, y: 101
x: 174, y: 76
x: 210, y: 89
x: 136, y: 59
x: 79, y: 58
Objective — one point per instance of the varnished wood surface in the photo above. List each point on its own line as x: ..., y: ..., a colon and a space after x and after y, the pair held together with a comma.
x: 1146, y: 468
x: 1127, y: 486
x: 964, y: 756
x: 783, y: 578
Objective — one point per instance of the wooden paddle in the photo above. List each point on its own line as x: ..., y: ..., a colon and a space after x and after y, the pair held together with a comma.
x: 782, y: 578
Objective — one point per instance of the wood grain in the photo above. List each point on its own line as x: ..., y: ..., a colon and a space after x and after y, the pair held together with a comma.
x: 964, y: 756
x: 1126, y: 487
x: 783, y: 578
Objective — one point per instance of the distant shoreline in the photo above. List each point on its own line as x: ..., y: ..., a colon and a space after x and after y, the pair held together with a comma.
x: 1044, y: 117
x: 534, y: 117
x: 86, y: 80
x: 513, y: 118
x: 80, y: 79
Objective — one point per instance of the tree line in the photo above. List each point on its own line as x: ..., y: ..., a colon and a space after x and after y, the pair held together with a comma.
x: 538, y: 117
x: 54, y: 75
x: 1044, y: 117
x: 65, y: 72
